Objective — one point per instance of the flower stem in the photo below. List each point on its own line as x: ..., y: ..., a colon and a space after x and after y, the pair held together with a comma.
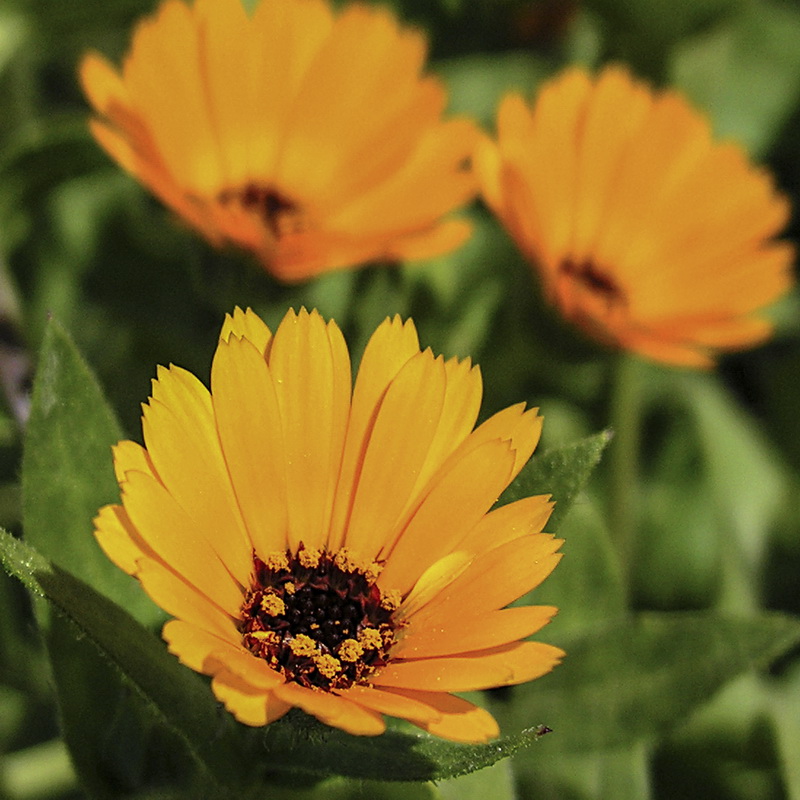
x: 624, y: 456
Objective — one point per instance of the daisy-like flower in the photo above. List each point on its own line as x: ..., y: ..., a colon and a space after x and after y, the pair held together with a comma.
x: 646, y: 232
x: 331, y: 549
x: 311, y: 138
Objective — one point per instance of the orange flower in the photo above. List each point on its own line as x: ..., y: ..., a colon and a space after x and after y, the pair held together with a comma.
x: 332, y: 550
x: 310, y: 138
x: 646, y: 233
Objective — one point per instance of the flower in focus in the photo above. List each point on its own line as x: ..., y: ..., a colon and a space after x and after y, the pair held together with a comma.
x: 331, y: 549
x: 646, y: 233
x: 307, y: 136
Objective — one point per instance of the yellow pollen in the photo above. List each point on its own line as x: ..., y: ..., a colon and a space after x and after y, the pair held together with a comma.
x: 303, y: 645
x: 273, y: 605
x: 289, y: 587
x: 372, y: 572
x: 270, y: 637
x: 309, y: 558
x: 391, y: 600
x: 328, y: 666
x: 350, y: 650
x: 276, y: 561
x: 347, y: 561
x: 370, y: 639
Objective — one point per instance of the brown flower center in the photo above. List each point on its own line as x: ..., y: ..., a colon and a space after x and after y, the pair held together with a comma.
x: 280, y: 214
x: 318, y: 618
x: 595, y: 280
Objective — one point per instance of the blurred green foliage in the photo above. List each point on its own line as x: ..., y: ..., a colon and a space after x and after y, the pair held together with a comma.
x: 683, y: 677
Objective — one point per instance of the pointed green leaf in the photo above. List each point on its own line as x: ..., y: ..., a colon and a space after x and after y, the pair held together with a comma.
x: 301, y: 744
x: 641, y: 675
x: 67, y: 472
x: 561, y: 472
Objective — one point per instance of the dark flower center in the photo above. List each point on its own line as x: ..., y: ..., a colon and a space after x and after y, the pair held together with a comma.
x: 595, y: 280
x: 280, y: 214
x: 318, y: 618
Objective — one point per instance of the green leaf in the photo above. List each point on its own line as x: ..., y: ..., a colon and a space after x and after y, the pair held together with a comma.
x: 67, y: 475
x: 745, y: 73
x: 67, y: 471
x: 561, y: 472
x: 300, y: 744
x: 180, y: 697
x: 636, y: 677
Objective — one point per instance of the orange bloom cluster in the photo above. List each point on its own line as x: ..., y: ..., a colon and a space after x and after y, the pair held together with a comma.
x: 336, y: 549
x: 311, y: 138
x: 645, y: 232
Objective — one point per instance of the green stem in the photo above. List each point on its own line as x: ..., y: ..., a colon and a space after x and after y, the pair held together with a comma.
x: 624, y: 456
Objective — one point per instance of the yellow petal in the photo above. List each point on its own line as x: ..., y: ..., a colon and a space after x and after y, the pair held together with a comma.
x: 404, y: 428
x: 173, y: 536
x: 460, y: 720
x: 389, y: 348
x: 440, y: 636
x: 247, y: 325
x: 333, y: 710
x: 249, y: 704
x: 251, y: 435
x: 394, y: 704
x: 455, y: 504
x: 183, y: 445
x: 483, y: 669
x: 310, y: 369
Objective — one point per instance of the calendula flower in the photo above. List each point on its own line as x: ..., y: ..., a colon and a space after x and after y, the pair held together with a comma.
x: 308, y: 136
x: 646, y: 232
x: 336, y: 550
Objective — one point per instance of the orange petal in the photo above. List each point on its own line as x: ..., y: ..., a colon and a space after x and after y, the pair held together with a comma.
x: 444, y: 638
x: 333, y: 710
x: 455, y: 504
x: 460, y: 721
x: 249, y: 704
x: 397, y: 449
x: 389, y: 348
x: 119, y: 539
x: 181, y: 600
x: 528, y: 515
x: 311, y: 372
x: 394, y: 704
x: 247, y: 325
x: 251, y: 435
x: 483, y: 669
x: 173, y: 536
x: 130, y: 455
x: 181, y: 438
x: 494, y: 579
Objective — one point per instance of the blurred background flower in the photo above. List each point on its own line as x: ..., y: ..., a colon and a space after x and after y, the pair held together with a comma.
x: 308, y: 137
x: 644, y: 232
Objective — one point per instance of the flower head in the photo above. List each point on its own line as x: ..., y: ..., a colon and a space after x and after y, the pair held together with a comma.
x: 646, y: 233
x: 311, y: 138
x: 336, y: 549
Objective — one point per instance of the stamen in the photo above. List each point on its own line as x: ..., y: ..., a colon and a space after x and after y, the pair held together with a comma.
x: 350, y: 650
